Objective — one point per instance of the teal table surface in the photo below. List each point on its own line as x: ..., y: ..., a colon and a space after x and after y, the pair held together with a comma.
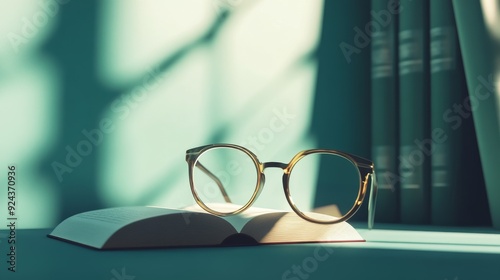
x: 387, y: 254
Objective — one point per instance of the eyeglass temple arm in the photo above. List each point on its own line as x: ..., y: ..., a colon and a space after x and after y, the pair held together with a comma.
x: 217, y: 181
x: 372, y: 201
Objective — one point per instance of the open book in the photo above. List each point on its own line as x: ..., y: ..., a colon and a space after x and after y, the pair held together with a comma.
x: 149, y: 227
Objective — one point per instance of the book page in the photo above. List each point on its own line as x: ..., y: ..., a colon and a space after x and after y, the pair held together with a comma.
x: 239, y: 220
x: 125, y: 215
x: 95, y: 227
x: 290, y: 228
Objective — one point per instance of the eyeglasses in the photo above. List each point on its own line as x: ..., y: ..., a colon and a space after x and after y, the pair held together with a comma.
x: 226, y: 179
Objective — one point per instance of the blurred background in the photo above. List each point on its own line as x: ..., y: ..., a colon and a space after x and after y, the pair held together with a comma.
x: 99, y: 100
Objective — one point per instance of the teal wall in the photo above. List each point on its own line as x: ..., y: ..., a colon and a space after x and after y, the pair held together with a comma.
x: 100, y: 99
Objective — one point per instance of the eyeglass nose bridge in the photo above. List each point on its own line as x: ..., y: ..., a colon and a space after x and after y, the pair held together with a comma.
x: 275, y: 164
x: 271, y: 164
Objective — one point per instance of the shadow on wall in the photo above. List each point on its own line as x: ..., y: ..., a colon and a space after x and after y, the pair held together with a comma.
x: 74, y: 162
x: 341, y: 104
x: 341, y: 119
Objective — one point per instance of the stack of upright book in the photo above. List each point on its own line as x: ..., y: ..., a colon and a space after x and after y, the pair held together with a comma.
x: 423, y: 139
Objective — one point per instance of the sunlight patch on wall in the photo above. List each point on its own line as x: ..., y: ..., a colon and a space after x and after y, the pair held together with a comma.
x: 146, y: 152
x: 26, y: 25
x: 492, y: 20
x: 137, y: 34
x: 27, y: 118
x: 252, y: 84
x: 28, y: 89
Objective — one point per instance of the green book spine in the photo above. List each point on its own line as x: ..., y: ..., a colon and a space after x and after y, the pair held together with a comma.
x: 447, y: 89
x: 458, y: 195
x: 415, y: 148
x: 385, y: 110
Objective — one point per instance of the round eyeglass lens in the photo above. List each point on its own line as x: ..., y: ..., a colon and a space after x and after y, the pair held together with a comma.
x: 225, y: 179
x: 324, y: 186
